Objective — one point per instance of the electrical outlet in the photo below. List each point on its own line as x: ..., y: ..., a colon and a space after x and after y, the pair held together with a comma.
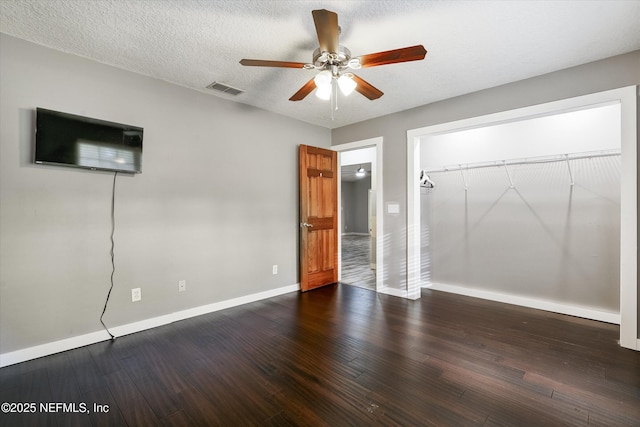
x: 136, y: 294
x: 275, y: 269
x: 182, y: 285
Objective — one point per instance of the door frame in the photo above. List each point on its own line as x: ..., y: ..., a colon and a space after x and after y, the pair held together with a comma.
x: 627, y: 98
x: 377, y: 176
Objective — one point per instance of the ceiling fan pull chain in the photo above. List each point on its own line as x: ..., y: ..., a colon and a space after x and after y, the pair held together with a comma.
x: 332, y: 101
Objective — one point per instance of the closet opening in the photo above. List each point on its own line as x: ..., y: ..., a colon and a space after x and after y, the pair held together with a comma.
x: 534, y: 207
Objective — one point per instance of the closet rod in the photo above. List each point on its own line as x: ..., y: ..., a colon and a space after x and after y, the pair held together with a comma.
x: 503, y: 163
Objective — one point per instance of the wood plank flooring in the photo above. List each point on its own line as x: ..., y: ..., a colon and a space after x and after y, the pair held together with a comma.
x: 343, y: 356
x: 356, y: 261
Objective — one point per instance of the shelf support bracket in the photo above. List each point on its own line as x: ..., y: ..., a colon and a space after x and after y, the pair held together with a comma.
x: 566, y: 157
x: 504, y: 163
x: 464, y: 179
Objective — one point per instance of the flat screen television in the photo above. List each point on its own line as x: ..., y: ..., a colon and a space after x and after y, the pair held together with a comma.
x: 69, y: 140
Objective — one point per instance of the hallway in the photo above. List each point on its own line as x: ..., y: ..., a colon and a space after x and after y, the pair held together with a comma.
x: 356, y: 269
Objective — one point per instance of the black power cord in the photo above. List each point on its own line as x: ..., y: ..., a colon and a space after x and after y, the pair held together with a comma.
x: 113, y: 265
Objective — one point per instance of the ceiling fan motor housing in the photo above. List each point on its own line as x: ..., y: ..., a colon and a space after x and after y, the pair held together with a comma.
x: 341, y: 58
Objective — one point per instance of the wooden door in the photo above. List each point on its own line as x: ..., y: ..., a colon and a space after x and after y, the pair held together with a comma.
x: 318, y: 217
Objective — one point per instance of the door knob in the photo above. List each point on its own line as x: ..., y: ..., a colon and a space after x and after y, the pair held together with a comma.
x: 306, y: 224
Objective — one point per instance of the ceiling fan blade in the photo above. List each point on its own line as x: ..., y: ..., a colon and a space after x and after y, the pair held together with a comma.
x: 263, y: 63
x: 304, y: 91
x: 412, y: 53
x: 327, y: 29
x: 367, y: 89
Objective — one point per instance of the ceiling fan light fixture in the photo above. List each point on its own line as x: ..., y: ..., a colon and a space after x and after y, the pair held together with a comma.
x: 354, y: 64
x: 324, y: 84
x: 346, y: 84
x: 323, y: 78
x: 324, y: 92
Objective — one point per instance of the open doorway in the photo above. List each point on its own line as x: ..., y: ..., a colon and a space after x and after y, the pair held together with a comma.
x: 357, y: 226
x: 360, y: 214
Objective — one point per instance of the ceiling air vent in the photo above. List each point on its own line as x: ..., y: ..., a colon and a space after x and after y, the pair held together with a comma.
x: 221, y: 87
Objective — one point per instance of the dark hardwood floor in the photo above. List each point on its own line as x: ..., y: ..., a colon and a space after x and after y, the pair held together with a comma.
x: 343, y: 356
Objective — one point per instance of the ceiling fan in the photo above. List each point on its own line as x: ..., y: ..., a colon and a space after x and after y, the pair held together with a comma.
x: 333, y: 62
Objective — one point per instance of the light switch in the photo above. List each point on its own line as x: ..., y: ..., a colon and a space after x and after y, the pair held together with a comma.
x: 393, y: 208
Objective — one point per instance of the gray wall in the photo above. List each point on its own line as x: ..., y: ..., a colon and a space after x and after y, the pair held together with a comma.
x: 355, y: 205
x: 216, y: 204
x: 616, y: 72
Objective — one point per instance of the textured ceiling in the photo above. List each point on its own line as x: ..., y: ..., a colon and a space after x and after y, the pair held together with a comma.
x: 472, y: 45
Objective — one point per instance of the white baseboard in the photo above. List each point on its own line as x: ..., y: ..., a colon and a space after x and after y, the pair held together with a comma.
x: 393, y: 292
x: 217, y: 306
x: 540, y: 304
x: 13, y: 357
